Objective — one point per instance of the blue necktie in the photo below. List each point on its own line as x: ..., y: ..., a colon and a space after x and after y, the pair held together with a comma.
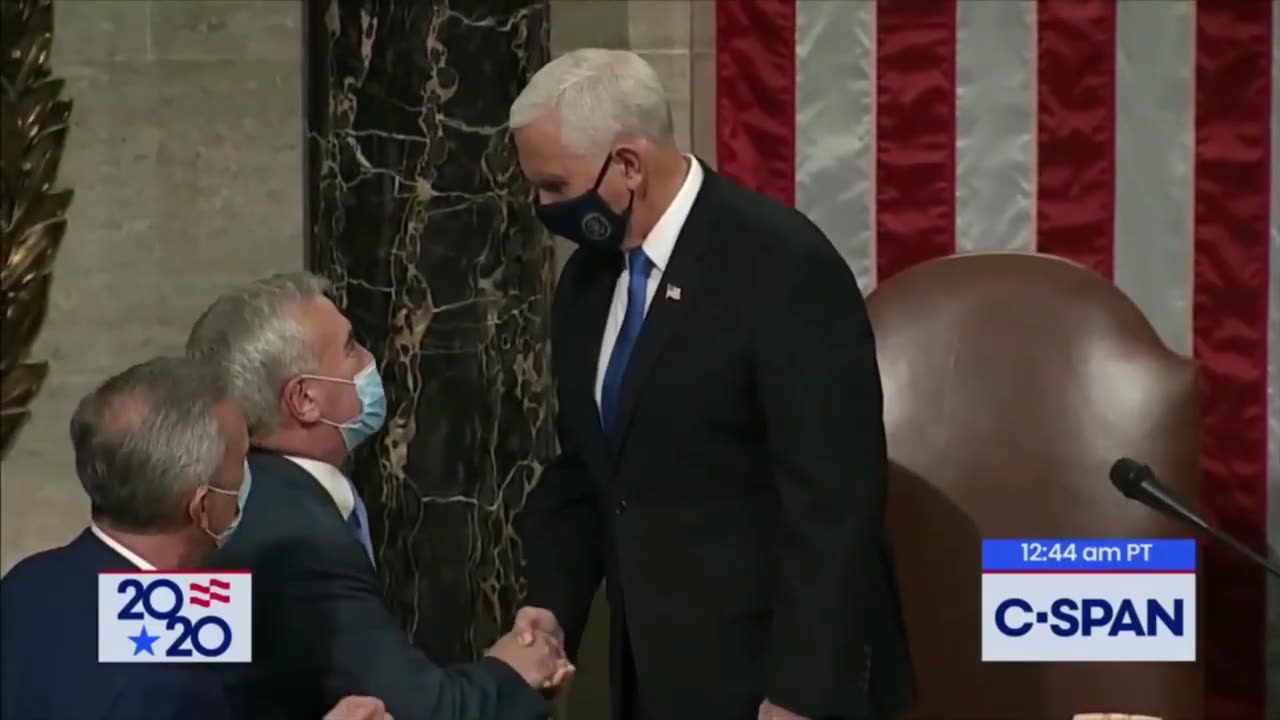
x: 358, y: 521
x: 638, y: 268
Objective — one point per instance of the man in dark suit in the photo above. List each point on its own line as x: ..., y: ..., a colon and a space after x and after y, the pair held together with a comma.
x: 311, y: 393
x: 722, y: 462
x: 159, y: 449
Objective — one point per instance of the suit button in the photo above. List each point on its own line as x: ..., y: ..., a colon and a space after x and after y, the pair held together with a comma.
x: 620, y: 508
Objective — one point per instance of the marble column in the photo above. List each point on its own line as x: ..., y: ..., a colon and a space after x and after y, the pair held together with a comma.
x: 420, y: 216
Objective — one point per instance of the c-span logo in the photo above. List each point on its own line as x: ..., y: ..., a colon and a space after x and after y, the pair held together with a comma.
x: 175, y: 617
x: 1088, y: 600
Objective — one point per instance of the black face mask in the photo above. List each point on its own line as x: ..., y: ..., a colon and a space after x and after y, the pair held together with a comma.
x: 587, y: 219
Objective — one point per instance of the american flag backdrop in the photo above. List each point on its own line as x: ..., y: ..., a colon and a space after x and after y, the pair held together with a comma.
x: 1134, y: 137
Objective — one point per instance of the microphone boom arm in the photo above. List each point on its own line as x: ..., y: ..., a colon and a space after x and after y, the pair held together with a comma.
x: 1139, y: 482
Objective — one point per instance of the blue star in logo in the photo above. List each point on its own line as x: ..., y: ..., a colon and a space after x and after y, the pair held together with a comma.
x: 142, y: 642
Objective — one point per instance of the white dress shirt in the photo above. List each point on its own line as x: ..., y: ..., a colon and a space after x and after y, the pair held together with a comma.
x: 658, y: 245
x: 332, y: 480
x: 123, y: 551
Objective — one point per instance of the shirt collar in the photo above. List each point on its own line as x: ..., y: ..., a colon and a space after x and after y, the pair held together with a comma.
x: 332, y: 480
x: 121, y: 550
x: 661, y: 240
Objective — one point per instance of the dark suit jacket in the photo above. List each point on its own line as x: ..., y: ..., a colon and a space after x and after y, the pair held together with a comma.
x: 739, y: 519
x: 321, y: 630
x: 49, y: 661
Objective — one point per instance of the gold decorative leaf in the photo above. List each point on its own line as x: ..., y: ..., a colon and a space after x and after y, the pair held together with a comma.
x: 23, y: 317
x: 33, y: 215
x: 10, y: 422
x: 33, y: 246
x: 19, y: 385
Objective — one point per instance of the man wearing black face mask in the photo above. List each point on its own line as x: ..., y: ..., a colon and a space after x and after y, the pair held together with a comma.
x: 310, y: 394
x: 722, y: 462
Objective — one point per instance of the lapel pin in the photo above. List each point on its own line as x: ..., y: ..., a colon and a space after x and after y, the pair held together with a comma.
x: 673, y: 292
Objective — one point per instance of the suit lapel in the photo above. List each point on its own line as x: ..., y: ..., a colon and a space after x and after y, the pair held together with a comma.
x: 582, y: 347
x: 671, y: 304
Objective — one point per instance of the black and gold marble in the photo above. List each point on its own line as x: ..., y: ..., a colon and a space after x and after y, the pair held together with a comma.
x: 420, y: 216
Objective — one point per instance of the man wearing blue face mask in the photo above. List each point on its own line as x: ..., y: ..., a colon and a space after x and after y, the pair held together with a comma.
x: 311, y: 393
x: 160, y: 451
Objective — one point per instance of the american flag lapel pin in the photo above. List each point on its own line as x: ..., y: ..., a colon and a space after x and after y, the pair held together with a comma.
x: 673, y: 292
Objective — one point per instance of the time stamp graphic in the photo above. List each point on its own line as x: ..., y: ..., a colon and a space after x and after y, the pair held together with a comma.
x: 149, y: 617
x: 1065, y: 600
x: 1097, y: 552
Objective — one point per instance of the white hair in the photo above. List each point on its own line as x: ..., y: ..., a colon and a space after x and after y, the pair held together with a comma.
x: 598, y: 95
x: 254, y: 337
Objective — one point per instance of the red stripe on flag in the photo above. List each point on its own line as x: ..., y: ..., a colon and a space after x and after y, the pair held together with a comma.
x: 1232, y: 186
x: 1076, y: 116
x: 915, y: 133
x: 755, y: 95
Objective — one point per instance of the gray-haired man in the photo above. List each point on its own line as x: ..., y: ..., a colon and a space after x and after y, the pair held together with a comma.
x: 311, y: 393
x: 159, y: 450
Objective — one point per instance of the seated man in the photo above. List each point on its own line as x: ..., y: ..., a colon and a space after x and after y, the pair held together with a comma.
x: 311, y: 393
x: 159, y: 450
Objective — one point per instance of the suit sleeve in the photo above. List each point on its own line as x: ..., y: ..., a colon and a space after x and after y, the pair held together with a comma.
x: 330, y: 616
x: 562, y: 542
x: 561, y: 526
x: 820, y: 389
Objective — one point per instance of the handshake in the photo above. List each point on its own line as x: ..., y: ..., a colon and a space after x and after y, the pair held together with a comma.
x: 535, y: 649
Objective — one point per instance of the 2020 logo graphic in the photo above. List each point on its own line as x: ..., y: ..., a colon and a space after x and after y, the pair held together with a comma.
x: 174, y: 617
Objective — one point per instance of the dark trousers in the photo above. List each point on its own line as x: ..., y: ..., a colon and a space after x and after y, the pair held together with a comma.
x: 632, y: 705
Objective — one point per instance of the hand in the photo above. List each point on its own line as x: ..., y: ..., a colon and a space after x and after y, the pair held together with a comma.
x: 356, y: 707
x: 540, y: 662
x: 532, y: 620
x: 769, y: 711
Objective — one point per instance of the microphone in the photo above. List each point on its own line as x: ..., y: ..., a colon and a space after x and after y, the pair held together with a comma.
x: 1139, y: 482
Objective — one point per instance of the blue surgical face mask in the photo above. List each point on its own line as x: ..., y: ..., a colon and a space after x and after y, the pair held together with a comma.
x: 373, y: 406
x: 242, y: 497
x: 587, y: 219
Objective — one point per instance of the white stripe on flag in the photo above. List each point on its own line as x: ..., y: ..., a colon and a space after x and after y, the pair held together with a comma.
x: 835, y: 120
x: 1155, y: 107
x: 995, y: 125
x: 1273, y: 379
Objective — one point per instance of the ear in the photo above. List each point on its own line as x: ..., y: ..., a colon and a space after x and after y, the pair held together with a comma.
x: 628, y: 155
x: 298, y: 401
x: 195, y: 506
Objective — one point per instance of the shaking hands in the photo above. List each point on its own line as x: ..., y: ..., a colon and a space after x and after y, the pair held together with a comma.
x: 356, y: 707
x: 535, y: 649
